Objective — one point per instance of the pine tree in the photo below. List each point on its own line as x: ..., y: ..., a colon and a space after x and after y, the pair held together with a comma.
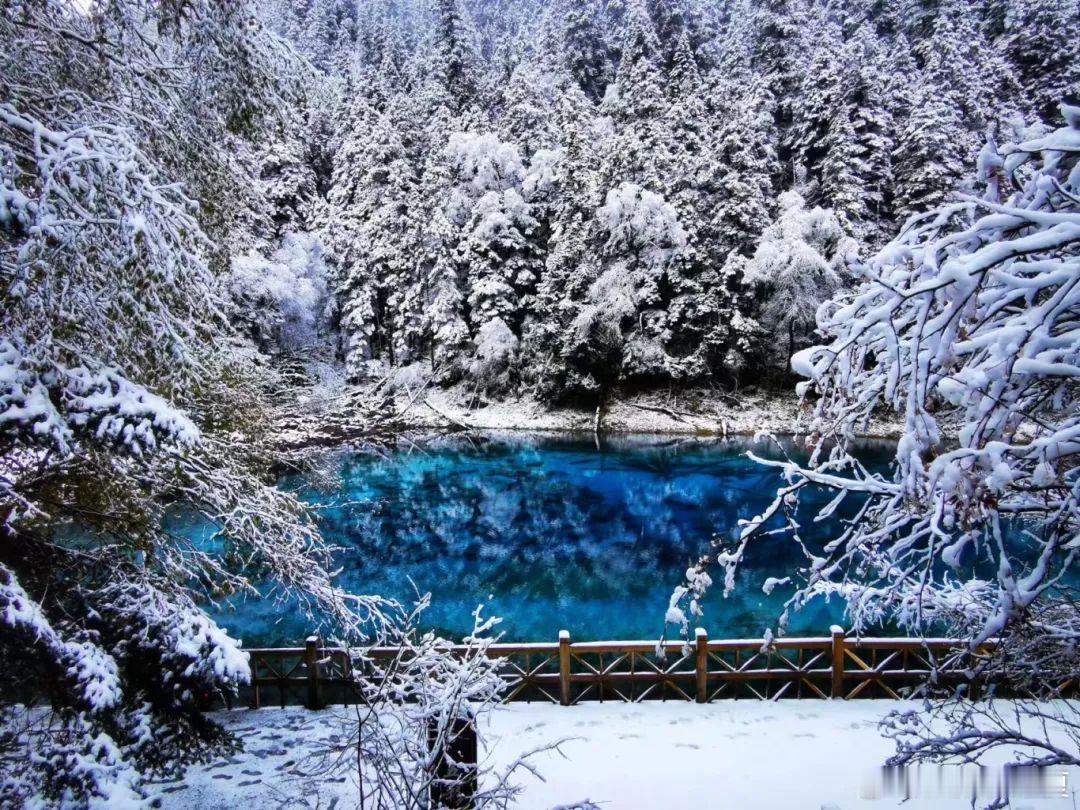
x: 290, y: 184
x: 684, y: 159
x: 572, y: 263
x: 456, y: 62
x: 450, y: 340
x: 527, y: 101
x: 776, y: 57
x: 636, y: 105
x: 875, y: 128
x: 844, y: 173
x: 743, y: 171
x: 494, y: 247
x: 820, y: 102
x: 585, y: 54
x: 928, y: 158
x: 968, y: 69
x: 1041, y: 38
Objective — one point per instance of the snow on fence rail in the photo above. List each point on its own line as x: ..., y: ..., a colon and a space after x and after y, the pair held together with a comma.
x: 632, y: 671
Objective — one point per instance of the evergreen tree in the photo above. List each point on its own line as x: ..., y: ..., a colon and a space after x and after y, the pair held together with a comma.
x: 585, y: 53
x: 290, y: 184
x: 450, y: 341
x: 1041, y: 38
x: 456, y: 62
x: 636, y: 102
x: 743, y: 172
x: 776, y: 57
x: 875, y: 131
x: 928, y: 158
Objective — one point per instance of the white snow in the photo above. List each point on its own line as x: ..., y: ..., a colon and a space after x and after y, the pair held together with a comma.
x: 727, y: 754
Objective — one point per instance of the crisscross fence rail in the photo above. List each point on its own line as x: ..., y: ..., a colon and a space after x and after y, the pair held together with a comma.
x: 633, y: 671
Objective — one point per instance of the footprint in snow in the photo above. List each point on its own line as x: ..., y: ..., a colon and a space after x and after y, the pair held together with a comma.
x: 249, y: 783
x: 629, y: 736
x: 688, y: 745
x: 251, y: 773
x: 223, y: 776
x: 804, y: 735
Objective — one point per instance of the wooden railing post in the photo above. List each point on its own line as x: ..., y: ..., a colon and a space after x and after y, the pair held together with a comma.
x: 311, y: 661
x: 253, y: 662
x: 455, y: 772
x: 564, y: 667
x: 837, y: 690
x: 701, y: 664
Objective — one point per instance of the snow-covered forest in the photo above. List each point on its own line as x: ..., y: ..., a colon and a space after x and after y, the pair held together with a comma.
x: 562, y: 196
x: 216, y: 211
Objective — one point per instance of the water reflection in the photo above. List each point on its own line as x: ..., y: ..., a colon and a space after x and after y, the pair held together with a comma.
x: 559, y: 533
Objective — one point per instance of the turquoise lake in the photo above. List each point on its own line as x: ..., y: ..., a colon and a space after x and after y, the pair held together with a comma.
x: 551, y: 533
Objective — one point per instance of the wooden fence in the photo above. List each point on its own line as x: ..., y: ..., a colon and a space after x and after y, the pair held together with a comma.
x: 567, y: 673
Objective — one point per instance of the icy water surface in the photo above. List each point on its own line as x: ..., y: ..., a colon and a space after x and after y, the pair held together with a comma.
x: 552, y: 533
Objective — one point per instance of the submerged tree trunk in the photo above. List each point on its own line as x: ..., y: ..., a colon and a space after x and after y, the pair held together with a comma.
x: 599, y: 409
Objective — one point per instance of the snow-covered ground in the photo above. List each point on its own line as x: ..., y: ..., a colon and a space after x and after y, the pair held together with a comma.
x: 728, y: 754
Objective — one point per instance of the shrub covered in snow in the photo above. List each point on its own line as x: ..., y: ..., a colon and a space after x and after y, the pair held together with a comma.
x: 493, y: 361
x: 283, y: 299
x: 799, y: 263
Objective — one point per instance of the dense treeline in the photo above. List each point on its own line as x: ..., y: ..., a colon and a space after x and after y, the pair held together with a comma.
x: 563, y: 196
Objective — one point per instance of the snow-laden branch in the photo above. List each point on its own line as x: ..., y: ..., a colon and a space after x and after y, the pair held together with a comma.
x: 967, y: 325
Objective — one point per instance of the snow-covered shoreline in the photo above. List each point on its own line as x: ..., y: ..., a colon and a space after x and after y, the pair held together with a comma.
x: 692, y: 412
x: 333, y: 415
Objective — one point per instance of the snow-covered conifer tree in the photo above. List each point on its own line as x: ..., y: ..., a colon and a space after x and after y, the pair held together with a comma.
x: 799, y: 263
x: 928, y: 157
x: 636, y: 101
x: 1040, y: 38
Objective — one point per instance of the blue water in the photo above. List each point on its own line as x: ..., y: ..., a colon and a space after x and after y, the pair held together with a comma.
x: 550, y: 533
